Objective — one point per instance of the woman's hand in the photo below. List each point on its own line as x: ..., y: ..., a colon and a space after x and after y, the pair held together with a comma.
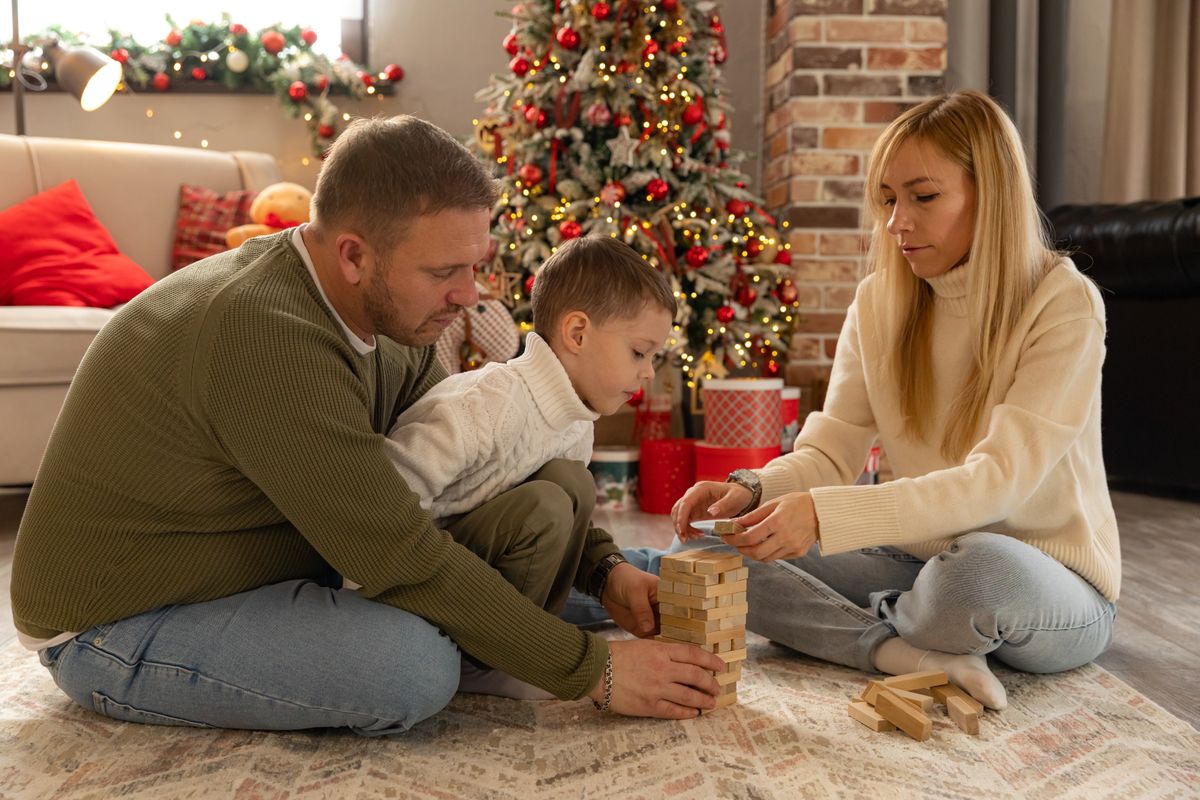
x: 660, y: 679
x: 707, y: 500
x: 785, y: 527
x: 630, y: 596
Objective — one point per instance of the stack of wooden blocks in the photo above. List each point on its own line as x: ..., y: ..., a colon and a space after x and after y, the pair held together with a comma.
x: 904, y: 702
x: 702, y: 601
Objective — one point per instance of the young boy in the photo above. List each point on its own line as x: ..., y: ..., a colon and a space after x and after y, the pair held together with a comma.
x: 600, y: 314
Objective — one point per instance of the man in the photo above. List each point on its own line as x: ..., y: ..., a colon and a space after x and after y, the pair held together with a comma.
x: 219, y: 463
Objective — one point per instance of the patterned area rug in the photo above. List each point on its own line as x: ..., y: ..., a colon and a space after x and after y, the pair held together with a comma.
x: 1083, y: 734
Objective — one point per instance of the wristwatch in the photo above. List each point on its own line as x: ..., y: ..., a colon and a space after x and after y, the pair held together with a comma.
x: 599, y: 577
x: 749, y: 479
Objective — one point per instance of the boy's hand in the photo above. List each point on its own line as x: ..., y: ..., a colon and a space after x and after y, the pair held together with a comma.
x: 707, y: 500
x: 630, y: 597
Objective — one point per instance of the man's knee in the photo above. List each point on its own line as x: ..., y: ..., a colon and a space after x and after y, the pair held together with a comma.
x: 413, y: 677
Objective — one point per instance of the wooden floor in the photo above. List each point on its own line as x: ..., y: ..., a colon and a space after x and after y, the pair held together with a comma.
x: 1157, y: 643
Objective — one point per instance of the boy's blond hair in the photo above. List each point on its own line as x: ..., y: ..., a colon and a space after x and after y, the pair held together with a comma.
x: 600, y: 276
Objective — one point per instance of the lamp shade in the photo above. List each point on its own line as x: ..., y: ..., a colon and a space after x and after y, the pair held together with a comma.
x: 85, y: 73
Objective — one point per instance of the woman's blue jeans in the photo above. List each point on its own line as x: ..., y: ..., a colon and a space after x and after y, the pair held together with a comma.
x: 986, y: 593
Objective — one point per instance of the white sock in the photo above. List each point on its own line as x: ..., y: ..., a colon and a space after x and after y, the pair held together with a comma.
x: 970, y: 673
x: 481, y: 680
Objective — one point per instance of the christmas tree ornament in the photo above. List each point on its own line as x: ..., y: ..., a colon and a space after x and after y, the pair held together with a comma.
x: 394, y: 72
x: 519, y: 66
x: 237, y: 61
x: 237, y: 29
x: 623, y: 148
x: 529, y: 285
x: 325, y: 131
x: 601, y: 10
x: 120, y: 55
x: 273, y: 42
x: 198, y: 73
x: 746, y: 296
x: 753, y: 248
x: 308, y: 36
x: 693, y: 113
x: 530, y: 174
x: 697, y: 256
x: 570, y: 229
x: 598, y: 115
x: 788, y: 293
x: 657, y: 189
x: 160, y: 81
x: 670, y: 6
x: 366, y: 78
x: 649, y: 51
x: 322, y: 82
x: 613, y: 192
x: 725, y: 315
x: 567, y: 37
x: 676, y: 46
x: 622, y: 119
x: 783, y: 257
x: 636, y: 398
x: 536, y: 116
x: 736, y: 207
x: 510, y: 44
x: 173, y: 38
x: 298, y: 91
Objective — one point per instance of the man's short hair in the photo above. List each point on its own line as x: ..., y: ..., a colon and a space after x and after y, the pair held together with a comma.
x: 601, y: 276
x: 384, y: 172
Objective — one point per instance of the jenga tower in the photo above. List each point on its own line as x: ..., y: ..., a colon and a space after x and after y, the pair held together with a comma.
x: 702, y: 601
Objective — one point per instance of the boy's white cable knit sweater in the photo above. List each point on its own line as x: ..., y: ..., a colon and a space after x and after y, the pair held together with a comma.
x: 478, y: 434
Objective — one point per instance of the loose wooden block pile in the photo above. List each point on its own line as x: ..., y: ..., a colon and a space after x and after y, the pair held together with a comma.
x: 904, y: 702
x: 702, y: 601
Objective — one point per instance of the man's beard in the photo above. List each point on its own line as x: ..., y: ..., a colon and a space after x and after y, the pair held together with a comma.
x: 382, y: 311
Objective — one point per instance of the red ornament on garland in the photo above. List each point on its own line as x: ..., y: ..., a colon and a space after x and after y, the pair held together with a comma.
x: 394, y: 72
x: 736, y: 207
x: 161, y: 82
x: 173, y: 38
x: 669, y: 6
x: 601, y: 10
x: 519, y: 66
x: 530, y: 174
x: 298, y: 92
x: 529, y: 285
x: 753, y: 247
x: 746, y: 296
x: 676, y: 47
x: 650, y: 49
x: 308, y: 36
x: 725, y: 315
x: 198, y: 73
x: 783, y: 257
x: 325, y: 131
x: 636, y: 398
x: 697, y: 256
x: 366, y: 78
x: 273, y: 42
x: 613, y: 192
x: 622, y: 119
x: 510, y: 44
x: 788, y: 293
x: 238, y: 29
x: 657, y: 189
x: 322, y: 82
x: 120, y: 55
x: 693, y: 113
x: 536, y: 116
x: 570, y: 229
x: 568, y: 37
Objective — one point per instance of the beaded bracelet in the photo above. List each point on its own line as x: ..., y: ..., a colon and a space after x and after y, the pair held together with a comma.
x: 608, y: 683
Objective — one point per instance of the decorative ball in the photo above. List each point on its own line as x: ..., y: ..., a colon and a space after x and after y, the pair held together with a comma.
x: 719, y: 55
x: 394, y: 72
x: 530, y: 174
x: 783, y: 257
x: 670, y: 6
x: 570, y: 229
x: 298, y: 92
x: 120, y: 55
x: 622, y: 119
x: 536, y: 116
x: 366, y: 78
x: 725, y: 315
x: 601, y: 10
x: 693, y: 113
x: 650, y: 49
x: 636, y: 398
x: 746, y: 296
x: 697, y: 256
x: 568, y: 37
x: 173, y: 38
x: 325, y: 131
x: 613, y: 192
x: 238, y: 29
x: 322, y: 82
x: 237, y: 61
x: 716, y: 24
x: 753, y: 247
x: 736, y: 207
x: 676, y: 47
x: 510, y: 45
x: 598, y: 115
x: 281, y: 205
x: 160, y: 81
x: 772, y: 367
x: 657, y: 189
x: 624, y: 66
x: 308, y: 36
x: 529, y: 285
x: 788, y: 293
x: 519, y: 66
x: 273, y: 42
x: 198, y: 73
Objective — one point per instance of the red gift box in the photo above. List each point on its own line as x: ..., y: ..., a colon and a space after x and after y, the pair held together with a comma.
x: 668, y: 468
x: 714, y: 463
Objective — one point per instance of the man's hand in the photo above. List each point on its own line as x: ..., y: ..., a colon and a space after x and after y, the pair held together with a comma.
x: 630, y: 597
x: 660, y: 679
x: 707, y: 500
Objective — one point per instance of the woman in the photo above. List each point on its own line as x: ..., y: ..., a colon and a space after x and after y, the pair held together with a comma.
x: 972, y: 354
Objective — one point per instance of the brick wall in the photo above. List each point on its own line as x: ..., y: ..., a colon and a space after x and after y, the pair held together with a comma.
x: 837, y: 72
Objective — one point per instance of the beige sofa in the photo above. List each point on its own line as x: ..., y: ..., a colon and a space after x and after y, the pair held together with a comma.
x: 134, y: 191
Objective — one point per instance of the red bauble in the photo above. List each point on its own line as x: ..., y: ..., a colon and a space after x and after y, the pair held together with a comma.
x: 601, y: 10
x: 530, y: 174
x: 669, y: 5
x: 298, y: 91
x: 636, y: 398
x: 308, y: 36
x: 783, y: 257
x: 273, y: 42
x: 198, y: 73
x: 173, y: 38
x: 736, y: 207
x: 725, y: 315
x: 697, y: 256
x: 715, y: 24
x: 754, y: 247
x: 788, y: 293
x: 622, y: 119
x: 366, y: 78
x: 650, y: 49
x: 519, y: 66
x: 325, y: 131
x: 746, y: 296
x: 510, y: 44
x: 719, y: 54
x: 772, y: 367
x: 394, y: 72
x: 623, y: 67
x: 570, y: 229
x: 238, y: 29
x: 676, y: 47
x: 120, y: 55
x: 693, y: 113
x: 613, y: 192
x: 322, y: 82
x: 161, y: 82
x: 536, y: 116
x: 529, y: 285
x: 568, y: 37
x: 657, y: 189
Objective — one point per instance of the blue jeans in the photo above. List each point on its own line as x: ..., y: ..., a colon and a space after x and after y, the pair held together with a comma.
x: 986, y: 593
x: 288, y: 656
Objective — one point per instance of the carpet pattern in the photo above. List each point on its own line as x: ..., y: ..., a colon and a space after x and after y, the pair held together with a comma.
x: 1083, y: 734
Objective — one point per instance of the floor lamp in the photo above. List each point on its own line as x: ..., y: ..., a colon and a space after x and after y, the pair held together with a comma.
x: 83, y: 71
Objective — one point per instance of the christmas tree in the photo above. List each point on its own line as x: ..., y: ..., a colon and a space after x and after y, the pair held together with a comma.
x: 611, y: 120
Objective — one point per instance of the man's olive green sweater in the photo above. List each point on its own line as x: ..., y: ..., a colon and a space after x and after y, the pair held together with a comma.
x: 220, y: 435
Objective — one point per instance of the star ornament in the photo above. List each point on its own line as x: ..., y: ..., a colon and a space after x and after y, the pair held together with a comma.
x: 622, y: 148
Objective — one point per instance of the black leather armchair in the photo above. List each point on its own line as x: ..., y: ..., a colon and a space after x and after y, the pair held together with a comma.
x: 1146, y: 259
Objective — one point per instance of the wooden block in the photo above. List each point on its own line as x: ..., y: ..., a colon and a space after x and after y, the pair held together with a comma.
x: 916, y: 680
x: 964, y: 716
x: 726, y: 678
x: 716, y: 589
x: 947, y: 690
x: 690, y: 578
x: 671, y: 610
x: 869, y: 717
x: 727, y: 688
x: 725, y: 527
x: 702, y: 637
x: 923, y: 702
x: 731, y: 623
x: 722, y: 701
x: 686, y: 600
x: 903, y: 715
x: 720, y: 612
x: 736, y: 655
x: 733, y: 668
x: 734, y: 575
x: 717, y: 562
x: 687, y: 623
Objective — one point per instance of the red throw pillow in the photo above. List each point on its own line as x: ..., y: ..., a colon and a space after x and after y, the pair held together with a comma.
x: 54, y: 252
x: 204, y: 216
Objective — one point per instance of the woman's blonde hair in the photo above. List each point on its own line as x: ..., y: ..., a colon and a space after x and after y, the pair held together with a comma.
x: 1009, y: 254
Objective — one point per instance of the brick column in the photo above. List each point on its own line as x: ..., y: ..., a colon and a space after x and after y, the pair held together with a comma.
x: 838, y: 71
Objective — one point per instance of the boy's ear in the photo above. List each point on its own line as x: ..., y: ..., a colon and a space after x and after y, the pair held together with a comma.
x: 574, y: 327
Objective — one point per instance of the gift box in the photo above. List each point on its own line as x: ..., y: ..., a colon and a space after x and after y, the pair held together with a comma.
x: 667, y: 469
x: 714, y: 463
x: 742, y: 412
x: 615, y: 470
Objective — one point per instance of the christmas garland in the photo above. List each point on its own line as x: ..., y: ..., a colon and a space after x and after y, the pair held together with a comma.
x: 276, y: 59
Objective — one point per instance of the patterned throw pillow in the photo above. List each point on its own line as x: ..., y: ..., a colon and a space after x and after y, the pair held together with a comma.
x: 204, y: 216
